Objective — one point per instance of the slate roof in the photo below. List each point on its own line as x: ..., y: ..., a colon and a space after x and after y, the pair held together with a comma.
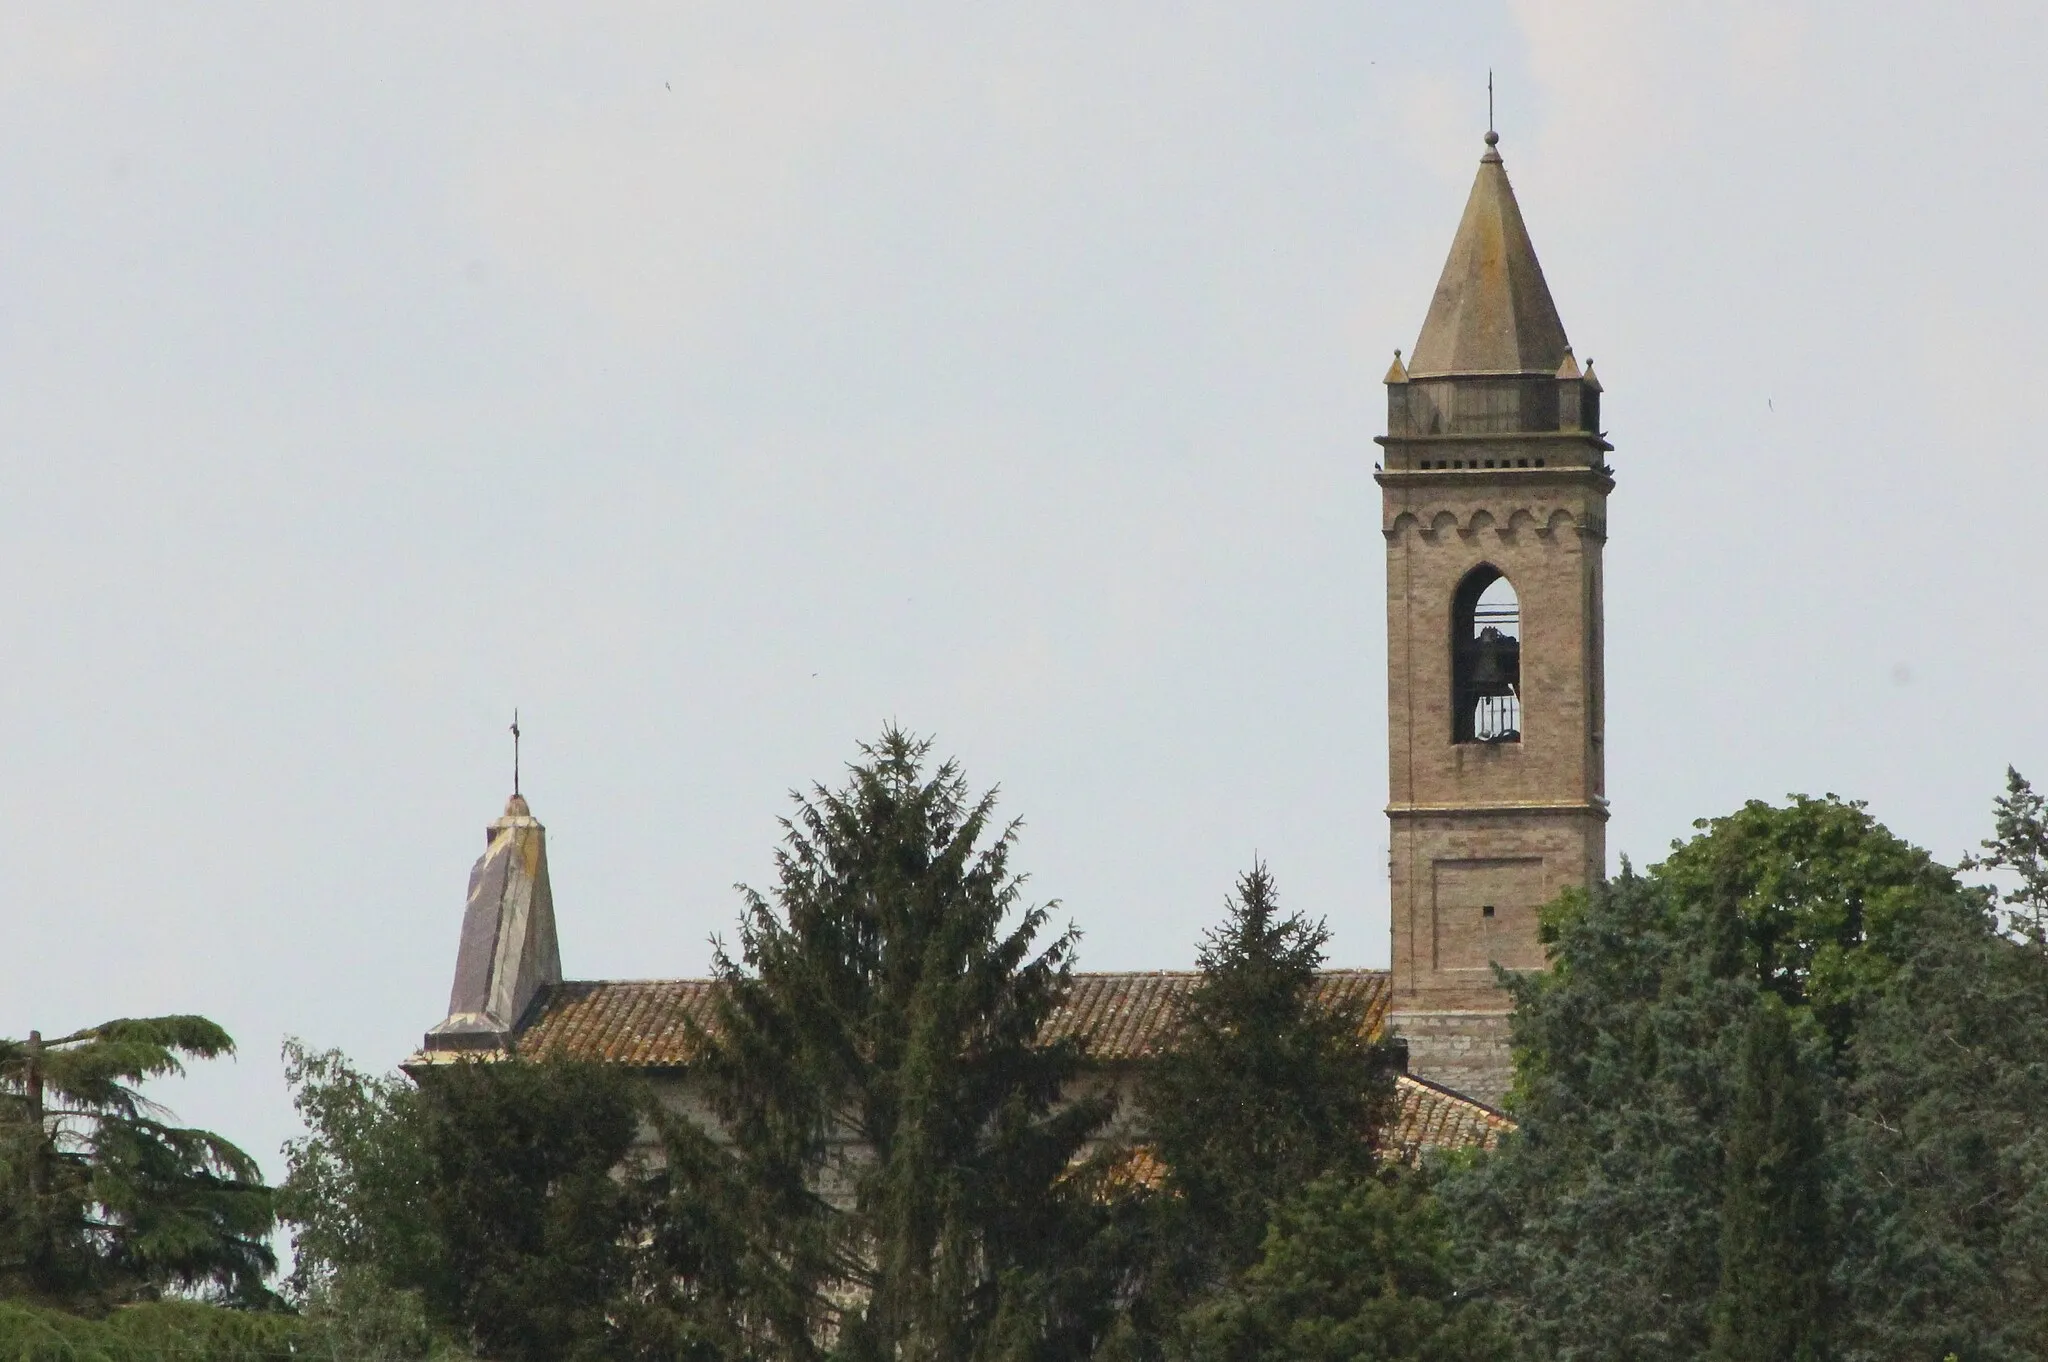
x: 646, y: 1023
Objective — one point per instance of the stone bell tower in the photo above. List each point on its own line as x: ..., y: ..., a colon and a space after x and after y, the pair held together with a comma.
x: 1495, y: 491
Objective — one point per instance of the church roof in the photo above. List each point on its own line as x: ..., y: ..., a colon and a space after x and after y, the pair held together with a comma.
x: 1492, y: 312
x: 652, y: 1023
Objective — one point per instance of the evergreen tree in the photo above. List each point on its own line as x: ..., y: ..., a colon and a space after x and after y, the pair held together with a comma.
x: 102, y: 1198
x: 1775, y: 1254
x: 1942, y: 1198
x: 2019, y: 847
x: 1354, y: 1269
x: 1264, y: 1087
x: 1686, y: 1178
x: 898, y: 1182
x: 1596, y: 1226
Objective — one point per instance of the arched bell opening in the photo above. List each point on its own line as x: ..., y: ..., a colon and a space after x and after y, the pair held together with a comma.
x: 1486, y: 659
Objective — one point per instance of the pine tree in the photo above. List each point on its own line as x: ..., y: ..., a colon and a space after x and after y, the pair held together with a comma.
x: 102, y: 1198
x: 1773, y: 1302
x: 898, y: 1183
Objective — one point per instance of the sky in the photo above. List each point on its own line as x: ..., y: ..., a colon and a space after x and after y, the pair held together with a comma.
x: 719, y: 384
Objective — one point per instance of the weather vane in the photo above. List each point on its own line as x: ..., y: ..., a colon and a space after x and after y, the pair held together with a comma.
x: 515, y: 751
x: 1489, y: 99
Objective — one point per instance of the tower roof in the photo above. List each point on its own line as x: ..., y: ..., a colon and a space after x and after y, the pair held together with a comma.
x: 1492, y: 312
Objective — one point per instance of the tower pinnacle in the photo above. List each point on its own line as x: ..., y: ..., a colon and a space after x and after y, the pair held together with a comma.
x: 1492, y: 312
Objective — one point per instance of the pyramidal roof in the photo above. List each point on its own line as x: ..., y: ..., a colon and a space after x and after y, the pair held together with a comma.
x: 1492, y: 312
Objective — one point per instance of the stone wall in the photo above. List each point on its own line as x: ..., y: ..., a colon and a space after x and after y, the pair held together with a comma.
x: 1465, y: 1051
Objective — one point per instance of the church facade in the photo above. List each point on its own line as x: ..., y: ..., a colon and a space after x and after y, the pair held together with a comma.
x: 1494, y: 488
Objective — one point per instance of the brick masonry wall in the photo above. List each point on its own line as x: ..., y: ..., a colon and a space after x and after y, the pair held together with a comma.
x: 1482, y: 835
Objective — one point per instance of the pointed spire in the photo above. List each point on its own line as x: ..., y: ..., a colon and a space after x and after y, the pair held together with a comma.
x: 1492, y: 311
x: 509, y: 951
x: 1395, y: 373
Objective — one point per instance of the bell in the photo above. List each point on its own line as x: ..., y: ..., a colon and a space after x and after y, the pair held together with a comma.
x: 1496, y: 663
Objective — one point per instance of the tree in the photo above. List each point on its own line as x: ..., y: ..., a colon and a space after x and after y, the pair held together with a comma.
x: 1780, y: 1096
x: 898, y: 1180
x: 1354, y: 1269
x: 1773, y: 1304
x: 1269, y: 1086
x: 498, y: 1203
x: 1264, y: 1087
x: 2019, y: 846
x: 1595, y: 1228
x: 1941, y: 1198
x: 102, y: 1198
x: 1814, y: 898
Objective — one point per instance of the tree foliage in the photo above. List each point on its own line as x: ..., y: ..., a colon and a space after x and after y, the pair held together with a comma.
x: 1276, y: 1232
x: 1353, y: 1269
x: 2018, y: 847
x: 898, y: 1179
x: 1782, y: 1096
x: 496, y: 1203
x: 1775, y: 1299
x: 103, y: 1199
x: 1265, y: 1086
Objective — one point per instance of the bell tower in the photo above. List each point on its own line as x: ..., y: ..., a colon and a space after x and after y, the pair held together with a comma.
x: 1494, y: 494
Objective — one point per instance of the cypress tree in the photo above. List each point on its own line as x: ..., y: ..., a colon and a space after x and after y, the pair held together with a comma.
x: 1775, y: 1256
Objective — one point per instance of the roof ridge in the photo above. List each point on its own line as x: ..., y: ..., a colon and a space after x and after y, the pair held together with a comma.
x: 677, y: 980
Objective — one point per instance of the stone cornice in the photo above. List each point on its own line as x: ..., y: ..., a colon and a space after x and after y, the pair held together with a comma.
x: 1595, y: 806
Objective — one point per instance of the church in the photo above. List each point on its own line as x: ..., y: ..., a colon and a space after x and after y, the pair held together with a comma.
x: 1494, y: 487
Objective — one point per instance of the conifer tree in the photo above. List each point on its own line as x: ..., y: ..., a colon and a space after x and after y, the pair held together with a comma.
x: 898, y: 1182
x: 1775, y: 1254
x: 1353, y: 1269
x: 1265, y: 1085
x: 102, y: 1198
x: 2019, y: 846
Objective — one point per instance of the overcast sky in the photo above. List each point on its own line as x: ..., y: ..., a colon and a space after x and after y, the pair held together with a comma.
x: 717, y: 383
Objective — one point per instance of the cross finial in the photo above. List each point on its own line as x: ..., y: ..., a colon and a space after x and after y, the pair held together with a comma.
x: 515, y: 751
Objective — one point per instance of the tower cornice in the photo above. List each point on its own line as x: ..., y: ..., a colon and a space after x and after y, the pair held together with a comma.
x: 1568, y: 475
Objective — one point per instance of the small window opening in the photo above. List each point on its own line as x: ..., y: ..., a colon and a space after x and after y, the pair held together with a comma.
x: 1486, y: 911
x: 1521, y: 463
x: 1486, y: 659
x: 1539, y: 463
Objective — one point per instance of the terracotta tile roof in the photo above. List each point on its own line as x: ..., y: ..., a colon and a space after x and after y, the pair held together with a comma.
x: 1427, y: 1119
x: 1431, y: 1117
x: 643, y: 1021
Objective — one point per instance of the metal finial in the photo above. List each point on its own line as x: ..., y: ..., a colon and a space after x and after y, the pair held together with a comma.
x: 1491, y: 135
x: 515, y: 751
